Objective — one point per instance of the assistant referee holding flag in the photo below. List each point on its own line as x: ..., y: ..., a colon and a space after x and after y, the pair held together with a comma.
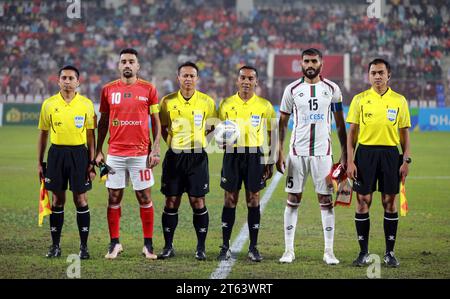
x: 70, y: 118
x: 382, y: 117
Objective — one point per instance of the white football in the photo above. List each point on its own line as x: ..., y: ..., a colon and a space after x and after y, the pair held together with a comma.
x: 226, y: 133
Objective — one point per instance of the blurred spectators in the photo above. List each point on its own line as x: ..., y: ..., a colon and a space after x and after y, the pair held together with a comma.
x: 37, y: 37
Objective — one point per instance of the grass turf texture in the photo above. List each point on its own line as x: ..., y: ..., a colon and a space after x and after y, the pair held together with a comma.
x: 423, y: 243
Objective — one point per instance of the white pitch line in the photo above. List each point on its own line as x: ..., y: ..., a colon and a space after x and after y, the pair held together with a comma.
x: 225, y: 267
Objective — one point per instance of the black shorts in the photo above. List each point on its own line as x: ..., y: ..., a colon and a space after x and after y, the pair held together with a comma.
x: 67, y: 164
x: 185, y: 172
x: 243, y: 167
x: 377, y: 163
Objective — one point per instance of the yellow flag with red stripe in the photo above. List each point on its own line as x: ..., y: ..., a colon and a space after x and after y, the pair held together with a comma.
x: 403, y: 201
x: 44, y: 204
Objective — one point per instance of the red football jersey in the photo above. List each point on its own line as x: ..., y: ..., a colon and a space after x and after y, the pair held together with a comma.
x: 129, y: 108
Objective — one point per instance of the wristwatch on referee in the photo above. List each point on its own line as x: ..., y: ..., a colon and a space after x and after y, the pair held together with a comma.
x: 92, y: 162
x: 407, y: 160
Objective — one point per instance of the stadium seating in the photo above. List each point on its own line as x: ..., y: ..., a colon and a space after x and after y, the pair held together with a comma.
x: 37, y: 37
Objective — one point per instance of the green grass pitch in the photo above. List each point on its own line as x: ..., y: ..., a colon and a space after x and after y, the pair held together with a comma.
x: 423, y: 245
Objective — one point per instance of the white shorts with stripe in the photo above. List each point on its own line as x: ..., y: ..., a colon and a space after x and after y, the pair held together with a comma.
x: 127, y: 168
x: 298, y: 169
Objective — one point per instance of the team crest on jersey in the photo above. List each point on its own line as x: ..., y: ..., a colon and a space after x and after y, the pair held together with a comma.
x: 391, y: 114
x: 198, y: 120
x: 127, y: 95
x: 325, y: 93
x: 255, y: 120
x: 79, y: 121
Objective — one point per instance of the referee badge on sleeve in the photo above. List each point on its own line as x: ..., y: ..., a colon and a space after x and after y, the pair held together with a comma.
x: 255, y: 120
x: 198, y: 119
x: 391, y: 114
x: 79, y: 121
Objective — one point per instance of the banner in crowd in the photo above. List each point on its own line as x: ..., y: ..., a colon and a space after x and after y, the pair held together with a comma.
x: 290, y: 67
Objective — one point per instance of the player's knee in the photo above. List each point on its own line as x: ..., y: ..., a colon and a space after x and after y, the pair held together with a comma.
x: 362, y: 205
x: 294, y: 199
x: 325, y: 201
x: 58, y: 199
x: 114, y: 197
x: 389, y: 203
x: 230, y: 199
x: 143, y: 197
x: 80, y: 197
x: 172, y: 202
x: 253, y: 200
x: 198, y: 203
x: 325, y: 198
x: 253, y: 204
x: 81, y: 202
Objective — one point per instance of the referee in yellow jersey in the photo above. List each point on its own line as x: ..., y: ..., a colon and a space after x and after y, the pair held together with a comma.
x: 71, y: 121
x: 186, y: 116
x: 244, y: 163
x: 382, y: 118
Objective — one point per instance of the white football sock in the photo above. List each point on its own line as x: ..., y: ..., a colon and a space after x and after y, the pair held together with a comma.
x: 290, y: 222
x: 328, y: 228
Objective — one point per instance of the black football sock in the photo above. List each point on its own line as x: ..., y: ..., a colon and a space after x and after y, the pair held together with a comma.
x: 83, y: 221
x: 56, y: 224
x: 148, y: 242
x: 169, y: 224
x: 390, y: 230
x: 253, y: 219
x: 228, y: 217
x: 362, y: 222
x: 201, y: 223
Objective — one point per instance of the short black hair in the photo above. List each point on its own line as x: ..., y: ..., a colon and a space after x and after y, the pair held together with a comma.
x: 249, y: 67
x: 312, y: 52
x: 379, y: 61
x: 129, y: 51
x: 187, y: 63
x: 70, y: 68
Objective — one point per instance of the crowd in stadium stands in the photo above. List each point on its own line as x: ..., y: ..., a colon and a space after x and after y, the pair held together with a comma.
x: 37, y: 37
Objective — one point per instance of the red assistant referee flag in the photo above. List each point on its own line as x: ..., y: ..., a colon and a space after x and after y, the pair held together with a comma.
x: 44, y: 204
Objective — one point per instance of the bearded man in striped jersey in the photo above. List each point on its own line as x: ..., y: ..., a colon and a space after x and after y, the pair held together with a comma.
x: 311, y: 99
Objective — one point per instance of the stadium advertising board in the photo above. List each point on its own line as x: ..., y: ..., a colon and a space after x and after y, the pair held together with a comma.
x: 424, y: 119
x: 23, y: 114
x: 20, y: 114
x: 290, y: 67
x: 434, y: 119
